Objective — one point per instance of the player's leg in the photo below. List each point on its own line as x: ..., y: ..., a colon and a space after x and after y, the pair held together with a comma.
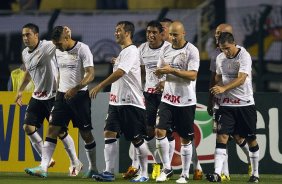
x: 134, y: 167
x: 184, y: 121
x: 162, y: 124
x: 110, y: 150
x: 198, y: 171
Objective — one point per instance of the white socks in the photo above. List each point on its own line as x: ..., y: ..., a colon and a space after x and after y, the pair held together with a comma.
x: 186, y: 156
x: 142, y: 155
x: 91, y: 155
x: 47, y: 152
x: 70, y: 149
x: 162, y: 145
x: 110, y: 153
x: 220, y: 156
x: 171, y: 149
x: 37, y: 142
x: 254, y: 157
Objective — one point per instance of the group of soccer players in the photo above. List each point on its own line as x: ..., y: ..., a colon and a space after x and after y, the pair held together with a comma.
x: 168, y: 65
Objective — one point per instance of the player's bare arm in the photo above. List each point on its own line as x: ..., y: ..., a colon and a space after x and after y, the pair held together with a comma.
x: 111, y: 79
x: 24, y: 83
x: 217, y: 89
x: 88, y: 77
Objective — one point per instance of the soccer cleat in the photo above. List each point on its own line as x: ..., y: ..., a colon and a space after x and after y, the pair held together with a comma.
x: 75, y: 169
x: 214, y: 177
x: 165, y: 175
x: 198, y: 174
x: 156, y: 171
x: 130, y: 173
x: 104, y: 176
x: 225, y: 177
x: 89, y: 174
x: 140, y: 178
x: 182, y: 179
x: 36, y: 171
x: 249, y: 169
x: 254, y: 179
x: 51, y: 163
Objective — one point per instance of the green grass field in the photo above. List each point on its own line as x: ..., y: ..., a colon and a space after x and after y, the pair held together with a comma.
x: 55, y: 178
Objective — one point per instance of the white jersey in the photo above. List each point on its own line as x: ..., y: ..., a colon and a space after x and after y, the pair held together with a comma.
x: 71, y: 64
x: 229, y: 69
x: 40, y: 67
x: 127, y: 90
x: 179, y: 91
x: 149, y: 58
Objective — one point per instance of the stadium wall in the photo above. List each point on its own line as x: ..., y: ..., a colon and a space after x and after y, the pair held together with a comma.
x: 16, y: 152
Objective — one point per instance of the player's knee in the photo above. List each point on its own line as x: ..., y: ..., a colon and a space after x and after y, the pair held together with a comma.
x: 238, y: 139
x: 29, y: 129
x: 222, y: 138
x: 110, y: 134
x: 251, y: 140
x: 138, y: 141
x: 160, y: 133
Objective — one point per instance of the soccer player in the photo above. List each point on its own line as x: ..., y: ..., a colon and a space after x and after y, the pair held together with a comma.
x: 76, y: 71
x: 37, y: 58
x: 236, y: 114
x: 180, y: 63
x: 126, y: 113
x: 214, y: 100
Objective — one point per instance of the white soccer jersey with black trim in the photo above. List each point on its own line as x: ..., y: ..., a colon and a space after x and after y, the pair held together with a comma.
x: 127, y: 90
x: 229, y: 69
x: 40, y: 67
x: 149, y: 58
x: 71, y: 64
x: 179, y: 91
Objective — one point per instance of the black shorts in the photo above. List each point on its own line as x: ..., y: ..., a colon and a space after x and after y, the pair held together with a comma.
x: 180, y: 118
x: 37, y: 111
x: 152, y: 102
x: 126, y: 119
x: 77, y: 109
x: 237, y: 120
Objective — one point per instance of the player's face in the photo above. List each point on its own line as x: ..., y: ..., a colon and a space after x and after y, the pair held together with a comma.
x: 177, y: 37
x: 165, y: 32
x: 154, y: 37
x: 61, y: 44
x: 120, y: 34
x: 216, y: 34
x: 30, y: 39
x: 229, y: 49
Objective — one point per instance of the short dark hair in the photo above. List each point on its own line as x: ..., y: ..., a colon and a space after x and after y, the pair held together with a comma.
x: 57, y: 33
x: 225, y: 37
x: 156, y: 24
x: 33, y: 27
x: 166, y: 20
x: 128, y: 27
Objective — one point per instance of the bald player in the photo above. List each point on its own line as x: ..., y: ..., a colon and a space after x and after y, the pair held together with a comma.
x: 179, y: 62
x: 213, y: 103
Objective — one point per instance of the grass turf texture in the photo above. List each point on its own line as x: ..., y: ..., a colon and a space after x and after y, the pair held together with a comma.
x: 59, y: 178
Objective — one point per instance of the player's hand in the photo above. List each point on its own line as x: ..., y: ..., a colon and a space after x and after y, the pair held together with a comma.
x: 94, y: 91
x: 217, y: 90
x: 67, y: 31
x: 71, y: 93
x: 166, y: 69
x: 18, y: 99
x: 210, y: 108
x: 113, y: 60
x: 160, y: 87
